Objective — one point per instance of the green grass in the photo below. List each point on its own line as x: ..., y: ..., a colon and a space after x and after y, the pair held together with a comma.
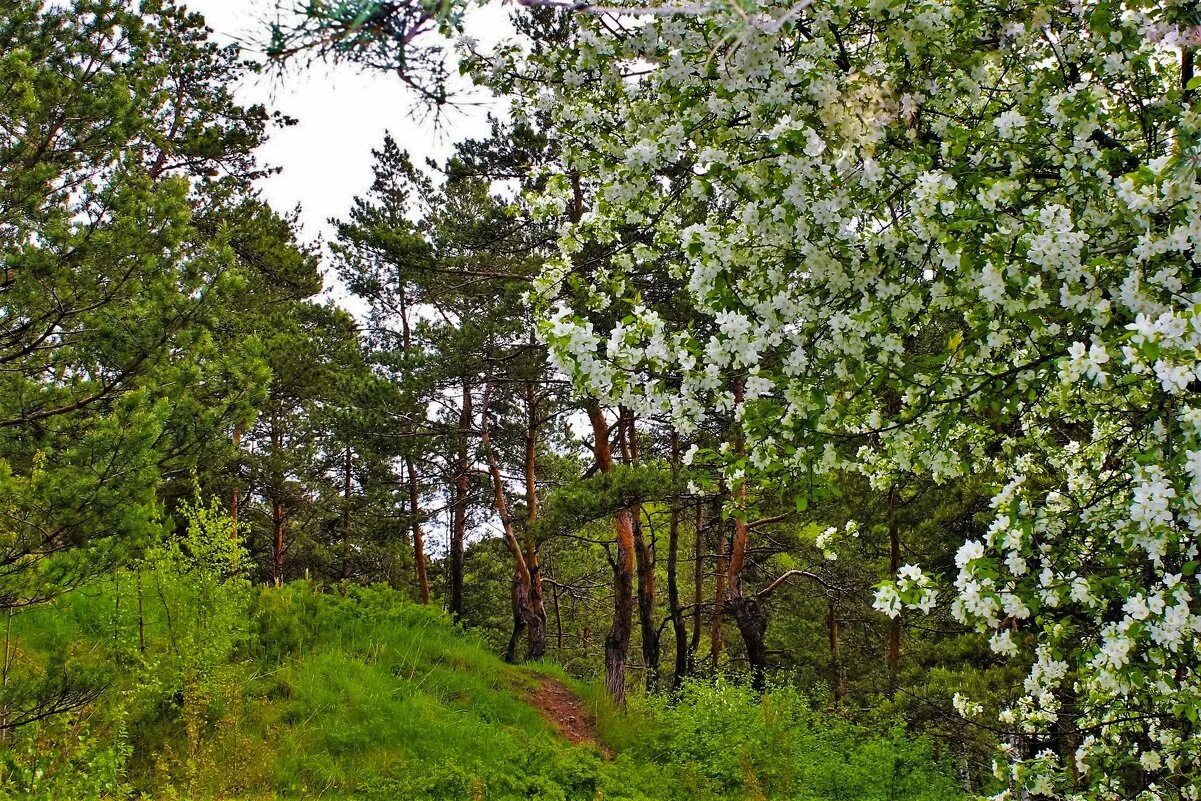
x: 387, y: 700
x: 367, y: 696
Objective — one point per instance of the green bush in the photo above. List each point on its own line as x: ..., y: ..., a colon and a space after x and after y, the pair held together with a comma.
x: 731, y: 743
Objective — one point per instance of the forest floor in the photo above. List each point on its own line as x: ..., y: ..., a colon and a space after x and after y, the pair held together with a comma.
x: 564, y: 710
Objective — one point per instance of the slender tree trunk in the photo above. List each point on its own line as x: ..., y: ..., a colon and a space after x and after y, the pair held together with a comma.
x: 645, y: 564
x: 277, y: 540
x: 8, y: 641
x: 419, y: 561
x: 233, y: 493
x: 719, y: 596
x: 617, y: 642
x: 346, y: 475
x: 537, y: 631
x: 141, y: 616
x: 750, y: 615
x: 698, y: 580
x: 458, y: 529
x: 524, y: 617
x: 749, y: 612
x: 840, y: 679
x: 278, y: 517
x: 1187, y: 68
x: 673, y: 555
x: 423, y: 580
x: 558, y: 619
x: 894, y: 564
x: 644, y: 559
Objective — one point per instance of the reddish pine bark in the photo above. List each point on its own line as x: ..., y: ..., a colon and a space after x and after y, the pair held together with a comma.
x: 423, y: 581
x: 617, y: 642
x: 537, y: 632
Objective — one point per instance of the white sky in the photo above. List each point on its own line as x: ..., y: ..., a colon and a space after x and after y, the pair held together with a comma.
x: 343, y: 112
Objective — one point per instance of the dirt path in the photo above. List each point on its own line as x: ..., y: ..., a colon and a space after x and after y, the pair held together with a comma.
x: 566, y: 712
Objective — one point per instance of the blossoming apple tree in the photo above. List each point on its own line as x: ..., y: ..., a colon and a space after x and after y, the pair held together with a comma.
x: 948, y: 238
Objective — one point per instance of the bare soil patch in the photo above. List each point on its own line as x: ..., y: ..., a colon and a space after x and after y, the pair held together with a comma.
x: 564, y: 710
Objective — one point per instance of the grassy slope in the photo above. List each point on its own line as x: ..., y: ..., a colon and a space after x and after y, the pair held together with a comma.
x: 367, y: 696
x: 385, y: 700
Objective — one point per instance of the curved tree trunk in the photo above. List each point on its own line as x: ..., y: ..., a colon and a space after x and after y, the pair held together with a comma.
x: 524, y: 617
x: 749, y: 612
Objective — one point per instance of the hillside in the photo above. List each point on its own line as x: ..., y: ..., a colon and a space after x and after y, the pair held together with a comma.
x: 365, y: 695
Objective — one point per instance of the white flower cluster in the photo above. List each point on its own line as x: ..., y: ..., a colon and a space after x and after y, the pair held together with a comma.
x: 966, y: 707
x: 825, y: 543
x: 1005, y: 239
x: 911, y: 588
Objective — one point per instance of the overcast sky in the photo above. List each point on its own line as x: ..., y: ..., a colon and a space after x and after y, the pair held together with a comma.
x: 342, y: 112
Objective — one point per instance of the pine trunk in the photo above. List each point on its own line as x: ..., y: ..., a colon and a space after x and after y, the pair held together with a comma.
x: 524, y: 616
x: 458, y: 528
x: 277, y: 541
x: 644, y: 559
x: 698, y: 580
x: 719, y: 596
x: 233, y: 493
x: 839, y: 679
x: 346, y: 545
x: 419, y: 562
x: 894, y: 564
x: 537, y: 632
x: 278, y: 520
x: 750, y: 613
x: 617, y: 642
x: 423, y: 580
x: 673, y: 587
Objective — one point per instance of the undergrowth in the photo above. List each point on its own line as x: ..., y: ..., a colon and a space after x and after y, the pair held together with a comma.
x: 226, y: 691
